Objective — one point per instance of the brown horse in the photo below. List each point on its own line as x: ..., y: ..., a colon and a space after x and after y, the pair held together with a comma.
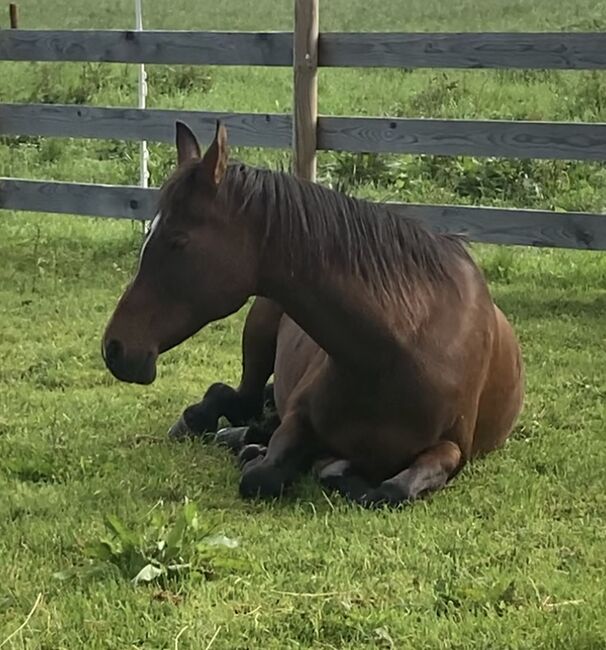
x: 392, y: 365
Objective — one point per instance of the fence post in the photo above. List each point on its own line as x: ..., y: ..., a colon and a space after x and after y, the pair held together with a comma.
x: 305, y: 62
x: 13, y: 11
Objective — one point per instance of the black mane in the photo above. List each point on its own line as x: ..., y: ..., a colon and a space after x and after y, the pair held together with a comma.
x: 321, y: 228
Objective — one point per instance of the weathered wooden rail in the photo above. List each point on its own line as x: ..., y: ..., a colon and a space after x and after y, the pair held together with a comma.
x: 508, y: 139
x: 491, y: 225
x: 305, y: 50
x: 540, y: 50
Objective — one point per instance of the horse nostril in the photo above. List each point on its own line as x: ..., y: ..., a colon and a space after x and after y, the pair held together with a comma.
x: 113, y: 351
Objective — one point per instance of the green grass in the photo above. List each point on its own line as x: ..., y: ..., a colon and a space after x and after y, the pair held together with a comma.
x: 511, y: 556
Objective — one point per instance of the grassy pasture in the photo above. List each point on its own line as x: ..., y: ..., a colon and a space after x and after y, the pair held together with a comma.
x: 512, y: 556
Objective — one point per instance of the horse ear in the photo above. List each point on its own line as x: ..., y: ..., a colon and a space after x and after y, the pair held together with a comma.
x: 214, y: 161
x: 187, y: 144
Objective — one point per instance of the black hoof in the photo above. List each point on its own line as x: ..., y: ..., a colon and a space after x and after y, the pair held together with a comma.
x: 352, y: 488
x: 251, y: 452
x: 261, y: 481
x: 232, y: 437
x: 219, y: 399
x: 338, y: 477
x: 200, y: 419
x: 180, y: 430
x: 388, y: 495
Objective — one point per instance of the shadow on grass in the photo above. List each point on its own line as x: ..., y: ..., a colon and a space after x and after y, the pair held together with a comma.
x: 523, y: 304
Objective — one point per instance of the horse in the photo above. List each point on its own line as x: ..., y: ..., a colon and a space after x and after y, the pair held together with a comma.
x: 392, y: 366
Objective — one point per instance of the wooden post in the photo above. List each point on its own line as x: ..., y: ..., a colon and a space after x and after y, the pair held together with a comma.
x: 13, y: 11
x: 305, y: 61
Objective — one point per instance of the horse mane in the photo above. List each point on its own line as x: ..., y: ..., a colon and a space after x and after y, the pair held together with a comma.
x: 320, y: 228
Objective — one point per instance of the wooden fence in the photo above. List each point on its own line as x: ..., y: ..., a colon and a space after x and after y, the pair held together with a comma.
x: 305, y: 50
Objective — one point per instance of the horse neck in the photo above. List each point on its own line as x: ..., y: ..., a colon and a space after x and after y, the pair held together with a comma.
x: 337, y: 310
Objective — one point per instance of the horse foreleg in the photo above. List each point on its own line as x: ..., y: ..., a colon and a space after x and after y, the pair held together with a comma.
x: 246, y: 403
x: 430, y: 471
x: 257, y: 433
x: 268, y: 472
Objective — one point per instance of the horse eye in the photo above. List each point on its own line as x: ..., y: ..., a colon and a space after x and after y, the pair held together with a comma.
x: 179, y: 241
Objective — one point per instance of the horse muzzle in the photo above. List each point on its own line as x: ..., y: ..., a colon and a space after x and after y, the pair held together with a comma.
x: 133, y: 368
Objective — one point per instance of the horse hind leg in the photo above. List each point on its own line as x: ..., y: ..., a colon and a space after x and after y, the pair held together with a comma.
x: 337, y: 475
x: 498, y: 407
x: 495, y: 414
x: 503, y: 394
x: 245, y: 403
x: 430, y: 471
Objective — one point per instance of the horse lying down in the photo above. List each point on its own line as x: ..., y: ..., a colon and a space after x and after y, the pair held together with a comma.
x: 392, y: 365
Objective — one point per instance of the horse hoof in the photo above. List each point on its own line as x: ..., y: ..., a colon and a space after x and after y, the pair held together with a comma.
x: 180, y: 430
x: 232, y: 438
x: 261, y: 481
x: 387, y: 495
x: 251, y: 452
x: 201, y: 419
x: 326, y: 469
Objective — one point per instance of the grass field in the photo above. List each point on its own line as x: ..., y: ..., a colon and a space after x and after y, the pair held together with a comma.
x: 512, y: 556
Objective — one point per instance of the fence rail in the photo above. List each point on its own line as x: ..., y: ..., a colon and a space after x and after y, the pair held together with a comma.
x: 507, y: 139
x: 306, y: 50
x: 269, y: 130
x: 539, y: 50
x: 494, y: 225
x: 113, y: 46
x: 93, y: 200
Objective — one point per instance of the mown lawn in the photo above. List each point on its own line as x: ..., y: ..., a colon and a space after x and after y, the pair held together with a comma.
x: 511, y: 556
